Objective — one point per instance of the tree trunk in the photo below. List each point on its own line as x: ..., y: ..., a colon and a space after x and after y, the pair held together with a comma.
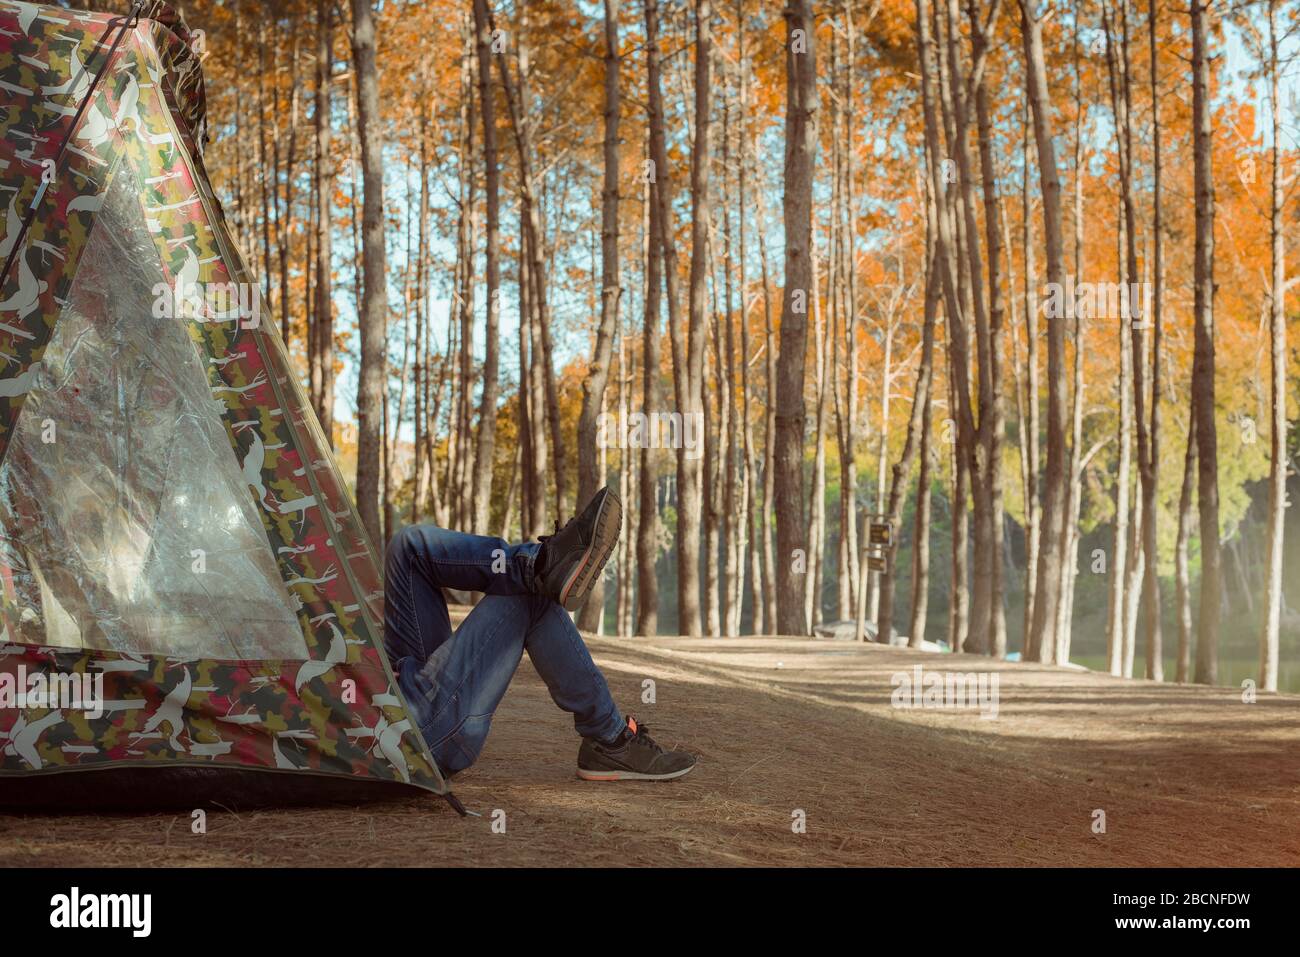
x: 817, y: 497
x: 663, y: 197
x: 1074, y: 459
x: 423, y: 433
x: 921, y: 535
x: 647, y: 614
x: 1047, y: 597
x: 1182, y: 569
x: 882, y: 457
x: 690, y: 474
x: 959, y: 598
x: 800, y: 156
x: 1030, y: 446
x: 770, y: 573
x: 590, y: 478
x: 916, y: 428
x: 716, y: 428
x: 750, y: 452
x: 393, y: 421
x: 322, y: 333
x: 1268, y: 644
x: 534, y: 393
x: 992, y: 424
x: 460, y: 451
x: 374, y: 315
x: 963, y: 292
x: 1151, y: 470
x: 262, y: 165
x: 1119, y: 543
x: 484, y: 453
x: 626, y: 463
x: 733, y: 506
x: 1207, y: 640
x: 1018, y: 323
x: 1069, y: 544
x: 1133, y: 583
x: 1133, y: 407
x: 284, y: 221
x: 970, y: 438
x: 847, y: 400
x: 771, y: 577
x: 538, y: 381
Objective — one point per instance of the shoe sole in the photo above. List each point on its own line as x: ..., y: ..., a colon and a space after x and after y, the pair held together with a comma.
x: 630, y: 775
x: 609, y: 522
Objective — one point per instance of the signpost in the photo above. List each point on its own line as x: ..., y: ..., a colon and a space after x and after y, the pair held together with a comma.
x: 880, y: 538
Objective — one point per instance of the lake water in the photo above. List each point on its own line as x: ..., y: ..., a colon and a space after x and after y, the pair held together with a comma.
x: 1233, y: 670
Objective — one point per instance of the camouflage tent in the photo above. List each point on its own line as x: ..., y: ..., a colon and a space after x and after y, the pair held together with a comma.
x: 191, y: 609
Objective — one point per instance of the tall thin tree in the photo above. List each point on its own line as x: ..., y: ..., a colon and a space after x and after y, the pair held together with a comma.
x: 593, y: 387
x: 487, y: 421
x: 1041, y: 644
x: 800, y: 156
x: 322, y: 332
x: 373, y: 317
x: 1207, y: 450
x: 1268, y: 642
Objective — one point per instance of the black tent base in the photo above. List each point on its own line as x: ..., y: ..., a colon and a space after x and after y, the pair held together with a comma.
x: 172, y: 788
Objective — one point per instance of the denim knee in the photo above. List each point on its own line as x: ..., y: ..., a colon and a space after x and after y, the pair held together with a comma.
x: 461, y: 748
x: 402, y: 546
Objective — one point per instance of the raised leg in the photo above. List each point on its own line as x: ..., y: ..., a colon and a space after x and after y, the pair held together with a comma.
x: 424, y: 559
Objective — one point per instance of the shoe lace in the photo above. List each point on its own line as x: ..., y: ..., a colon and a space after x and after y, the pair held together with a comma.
x: 642, y: 735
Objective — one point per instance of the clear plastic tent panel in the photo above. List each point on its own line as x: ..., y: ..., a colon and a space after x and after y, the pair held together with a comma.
x: 125, y: 523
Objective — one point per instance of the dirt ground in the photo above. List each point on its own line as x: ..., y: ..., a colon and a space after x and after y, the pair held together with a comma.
x: 1184, y: 776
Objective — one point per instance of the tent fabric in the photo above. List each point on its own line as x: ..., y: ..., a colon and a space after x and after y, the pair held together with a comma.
x: 178, y: 437
x: 124, y: 552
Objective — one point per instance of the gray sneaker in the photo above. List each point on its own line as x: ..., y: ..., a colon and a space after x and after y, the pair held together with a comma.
x: 633, y: 756
x: 571, y: 560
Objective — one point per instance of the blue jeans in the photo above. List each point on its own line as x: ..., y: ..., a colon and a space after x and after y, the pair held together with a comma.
x: 453, y: 681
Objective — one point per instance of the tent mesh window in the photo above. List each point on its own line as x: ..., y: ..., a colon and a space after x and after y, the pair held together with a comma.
x: 124, y: 515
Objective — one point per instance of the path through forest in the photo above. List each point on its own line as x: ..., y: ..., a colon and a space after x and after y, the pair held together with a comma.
x: 1184, y: 775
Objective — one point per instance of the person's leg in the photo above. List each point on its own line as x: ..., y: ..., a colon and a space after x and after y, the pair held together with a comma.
x: 424, y: 559
x: 454, y: 683
x: 461, y: 684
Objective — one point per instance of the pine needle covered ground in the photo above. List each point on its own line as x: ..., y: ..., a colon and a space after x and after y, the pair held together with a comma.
x: 1184, y: 775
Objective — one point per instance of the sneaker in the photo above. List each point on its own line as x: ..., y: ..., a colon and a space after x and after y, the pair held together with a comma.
x: 572, y: 559
x: 633, y: 756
